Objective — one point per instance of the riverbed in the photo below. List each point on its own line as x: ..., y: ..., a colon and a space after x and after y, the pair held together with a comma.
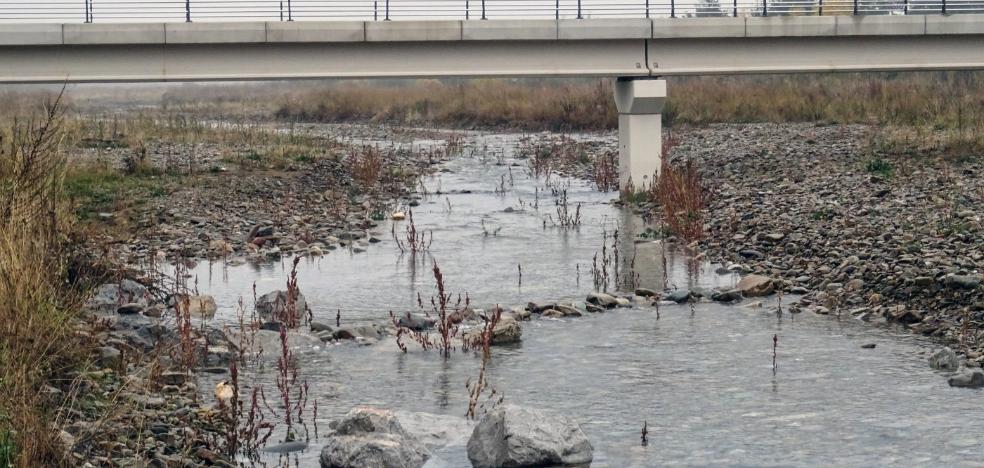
x: 701, y: 377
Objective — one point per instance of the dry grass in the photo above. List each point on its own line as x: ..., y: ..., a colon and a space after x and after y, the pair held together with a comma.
x: 948, y: 105
x: 555, y: 105
x: 39, y: 345
x: 681, y: 196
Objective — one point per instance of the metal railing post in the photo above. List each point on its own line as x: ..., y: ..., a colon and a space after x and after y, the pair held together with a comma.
x: 290, y: 12
x: 855, y: 7
x: 734, y: 9
x: 820, y: 10
x: 905, y: 7
x: 765, y: 8
x: 557, y: 9
x: 281, y: 10
x: 579, y: 10
x: 387, y: 10
x: 187, y: 11
x: 647, y: 8
x: 88, y: 11
x: 483, y: 10
x: 467, y: 9
x: 672, y: 8
x: 943, y: 8
x: 375, y: 10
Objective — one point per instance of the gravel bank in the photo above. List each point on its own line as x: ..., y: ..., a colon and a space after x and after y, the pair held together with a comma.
x: 871, y: 236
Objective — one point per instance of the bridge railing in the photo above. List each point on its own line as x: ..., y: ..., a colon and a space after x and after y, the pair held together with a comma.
x: 89, y: 11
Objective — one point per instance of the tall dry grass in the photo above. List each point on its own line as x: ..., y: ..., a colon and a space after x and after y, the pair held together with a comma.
x: 39, y: 346
x: 553, y: 105
x: 680, y: 195
x: 950, y: 105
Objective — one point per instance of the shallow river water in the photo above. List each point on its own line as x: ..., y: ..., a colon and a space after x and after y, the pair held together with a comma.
x: 701, y: 378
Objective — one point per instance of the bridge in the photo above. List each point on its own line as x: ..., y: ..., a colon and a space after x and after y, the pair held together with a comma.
x: 635, y: 51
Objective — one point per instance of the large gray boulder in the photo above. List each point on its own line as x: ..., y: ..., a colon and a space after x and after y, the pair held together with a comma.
x: 944, y: 359
x: 275, y: 302
x: 507, y: 331
x: 514, y: 436
x: 110, y: 296
x: 755, y: 286
x: 969, y: 378
x: 371, y: 438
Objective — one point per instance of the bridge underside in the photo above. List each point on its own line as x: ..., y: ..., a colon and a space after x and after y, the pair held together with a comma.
x: 439, y: 59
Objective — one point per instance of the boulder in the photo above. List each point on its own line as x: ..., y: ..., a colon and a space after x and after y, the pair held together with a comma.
x: 539, y: 307
x: 969, y: 378
x: 505, y: 332
x: 274, y: 303
x: 374, y: 332
x: 110, y: 296
x: 944, y: 359
x: 593, y: 308
x: 679, y: 296
x: 602, y: 299
x: 109, y: 357
x: 520, y: 313
x: 731, y: 295
x: 646, y: 292
x: 568, y: 310
x: 963, y: 281
x: 202, y: 306
x: 220, y: 247
x: 416, y: 322
x: 552, y: 313
x: 515, y: 436
x: 755, y: 285
x: 131, y: 308
x: 370, y: 438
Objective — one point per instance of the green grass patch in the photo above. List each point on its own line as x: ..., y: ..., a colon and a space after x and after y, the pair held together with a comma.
x: 7, y: 448
x: 94, y: 190
x: 879, y: 166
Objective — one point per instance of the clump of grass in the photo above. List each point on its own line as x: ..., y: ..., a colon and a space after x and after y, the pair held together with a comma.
x: 416, y: 240
x: 606, y: 172
x: 366, y: 164
x: 879, y: 166
x: 96, y: 188
x: 566, y: 217
x: 480, y: 385
x: 446, y: 327
x: 681, y: 196
x: 38, y: 342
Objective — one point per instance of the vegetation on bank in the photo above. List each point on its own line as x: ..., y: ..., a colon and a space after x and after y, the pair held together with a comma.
x: 41, y: 350
x: 939, y: 112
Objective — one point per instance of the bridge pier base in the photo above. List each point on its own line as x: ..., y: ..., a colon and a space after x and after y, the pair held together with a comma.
x: 640, y: 140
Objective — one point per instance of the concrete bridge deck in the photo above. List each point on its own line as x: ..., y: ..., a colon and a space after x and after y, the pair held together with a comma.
x: 635, y: 50
x: 106, y: 52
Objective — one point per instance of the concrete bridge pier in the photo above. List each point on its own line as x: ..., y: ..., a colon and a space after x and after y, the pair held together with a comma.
x: 640, y: 140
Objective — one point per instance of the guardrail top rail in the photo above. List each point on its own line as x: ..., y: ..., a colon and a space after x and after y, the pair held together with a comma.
x: 89, y: 11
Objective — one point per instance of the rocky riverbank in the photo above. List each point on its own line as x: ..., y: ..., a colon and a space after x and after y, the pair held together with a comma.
x: 237, y: 203
x: 867, y: 235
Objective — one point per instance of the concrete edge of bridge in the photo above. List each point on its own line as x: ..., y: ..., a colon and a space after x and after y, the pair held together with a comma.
x: 44, y: 34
